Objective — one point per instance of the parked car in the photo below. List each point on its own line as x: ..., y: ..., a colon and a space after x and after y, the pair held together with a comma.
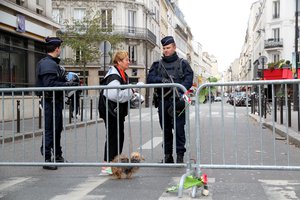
x: 218, y: 99
x: 239, y: 99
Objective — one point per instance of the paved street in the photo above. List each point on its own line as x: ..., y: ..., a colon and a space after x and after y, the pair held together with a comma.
x: 151, y: 182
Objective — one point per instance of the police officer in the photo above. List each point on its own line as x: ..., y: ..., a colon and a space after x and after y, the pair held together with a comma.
x: 171, y: 69
x: 51, y: 74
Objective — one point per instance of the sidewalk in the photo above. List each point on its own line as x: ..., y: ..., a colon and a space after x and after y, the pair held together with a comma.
x: 30, y: 128
x: 282, y: 129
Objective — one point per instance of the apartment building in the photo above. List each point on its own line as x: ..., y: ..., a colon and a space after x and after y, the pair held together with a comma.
x: 143, y: 23
x: 271, y: 34
x: 23, y: 26
x: 136, y: 21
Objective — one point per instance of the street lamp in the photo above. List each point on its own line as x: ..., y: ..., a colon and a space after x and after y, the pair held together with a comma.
x: 146, y: 55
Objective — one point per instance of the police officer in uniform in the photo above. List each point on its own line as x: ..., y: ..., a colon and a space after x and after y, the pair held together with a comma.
x: 51, y: 74
x: 170, y: 68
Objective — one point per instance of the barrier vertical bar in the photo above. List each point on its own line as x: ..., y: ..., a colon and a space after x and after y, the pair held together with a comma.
x: 91, y: 109
x: 18, y: 116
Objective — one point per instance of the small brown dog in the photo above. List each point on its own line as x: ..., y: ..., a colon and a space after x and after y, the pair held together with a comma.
x: 126, y: 172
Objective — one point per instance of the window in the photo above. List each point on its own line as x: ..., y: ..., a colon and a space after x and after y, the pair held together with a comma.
x: 276, y: 58
x: 79, y: 13
x: 276, y: 9
x: 134, y: 72
x: 132, y: 54
x: 276, y: 34
x: 78, y: 56
x: 131, y: 21
x: 57, y: 15
x: 106, y: 20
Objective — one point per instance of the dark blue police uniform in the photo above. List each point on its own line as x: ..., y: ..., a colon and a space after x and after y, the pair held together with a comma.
x: 184, y: 77
x: 50, y: 74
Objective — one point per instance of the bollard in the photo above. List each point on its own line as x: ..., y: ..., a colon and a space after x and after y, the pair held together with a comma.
x: 81, y: 116
x: 18, y: 116
x: 275, y: 109
x: 252, y: 103
x: 70, y: 112
x: 91, y: 109
x: 265, y: 107
x: 289, y: 113
x: 281, y: 110
x: 40, y: 115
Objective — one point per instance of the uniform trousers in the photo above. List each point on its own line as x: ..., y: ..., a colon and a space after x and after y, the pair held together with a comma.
x: 167, y: 125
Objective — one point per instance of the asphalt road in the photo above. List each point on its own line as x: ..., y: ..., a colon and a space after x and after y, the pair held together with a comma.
x: 228, y: 137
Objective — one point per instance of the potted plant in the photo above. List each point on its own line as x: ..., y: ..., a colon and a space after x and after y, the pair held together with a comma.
x: 271, y: 66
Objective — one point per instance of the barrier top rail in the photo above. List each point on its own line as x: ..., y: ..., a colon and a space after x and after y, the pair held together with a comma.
x: 234, y: 83
x: 94, y: 87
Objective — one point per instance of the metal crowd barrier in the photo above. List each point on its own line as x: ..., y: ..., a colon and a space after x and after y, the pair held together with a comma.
x: 234, y: 135
x: 83, y: 139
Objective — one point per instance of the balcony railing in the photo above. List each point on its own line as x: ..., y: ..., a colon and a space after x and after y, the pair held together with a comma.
x: 127, y: 32
x: 273, y: 43
x: 135, y: 33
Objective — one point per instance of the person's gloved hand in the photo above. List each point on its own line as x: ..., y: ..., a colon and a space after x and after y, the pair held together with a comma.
x: 166, y: 80
x: 140, y: 83
x: 71, y: 83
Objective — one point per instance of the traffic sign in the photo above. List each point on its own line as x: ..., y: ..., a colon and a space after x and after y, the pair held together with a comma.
x: 262, y: 61
x: 105, y: 47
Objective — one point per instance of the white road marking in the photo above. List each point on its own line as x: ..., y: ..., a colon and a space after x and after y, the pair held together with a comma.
x: 280, y: 189
x: 82, y: 189
x: 12, y: 181
x: 155, y: 141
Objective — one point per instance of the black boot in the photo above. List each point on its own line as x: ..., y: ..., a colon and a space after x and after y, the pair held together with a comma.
x: 168, y: 158
x: 49, y: 167
x: 59, y: 159
x: 179, y: 158
x: 42, y: 150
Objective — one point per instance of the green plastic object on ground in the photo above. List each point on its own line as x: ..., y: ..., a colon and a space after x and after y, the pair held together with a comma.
x: 189, y: 182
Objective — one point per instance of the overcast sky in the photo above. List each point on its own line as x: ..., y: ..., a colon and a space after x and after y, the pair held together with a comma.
x: 219, y: 25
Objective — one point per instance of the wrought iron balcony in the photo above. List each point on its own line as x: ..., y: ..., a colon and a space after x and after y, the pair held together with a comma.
x: 126, y: 31
x: 135, y: 33
x: 272, y: 43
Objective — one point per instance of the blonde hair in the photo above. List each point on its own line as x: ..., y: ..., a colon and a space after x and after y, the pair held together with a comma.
x: 119, y: 56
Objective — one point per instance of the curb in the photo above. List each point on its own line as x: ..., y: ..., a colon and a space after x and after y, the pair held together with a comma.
x: 283, y: 131
x: 39, y: 132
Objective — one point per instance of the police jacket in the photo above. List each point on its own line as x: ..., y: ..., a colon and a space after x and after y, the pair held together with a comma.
x: 50, y: 74
x: 113, y: 96
x: 171, y: 70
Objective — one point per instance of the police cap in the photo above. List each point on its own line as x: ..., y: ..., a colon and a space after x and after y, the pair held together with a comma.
x: 167, y: 40
x: 53, y: 41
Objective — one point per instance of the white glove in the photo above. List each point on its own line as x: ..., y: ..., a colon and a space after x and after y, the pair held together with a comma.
x: 140, y: 83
